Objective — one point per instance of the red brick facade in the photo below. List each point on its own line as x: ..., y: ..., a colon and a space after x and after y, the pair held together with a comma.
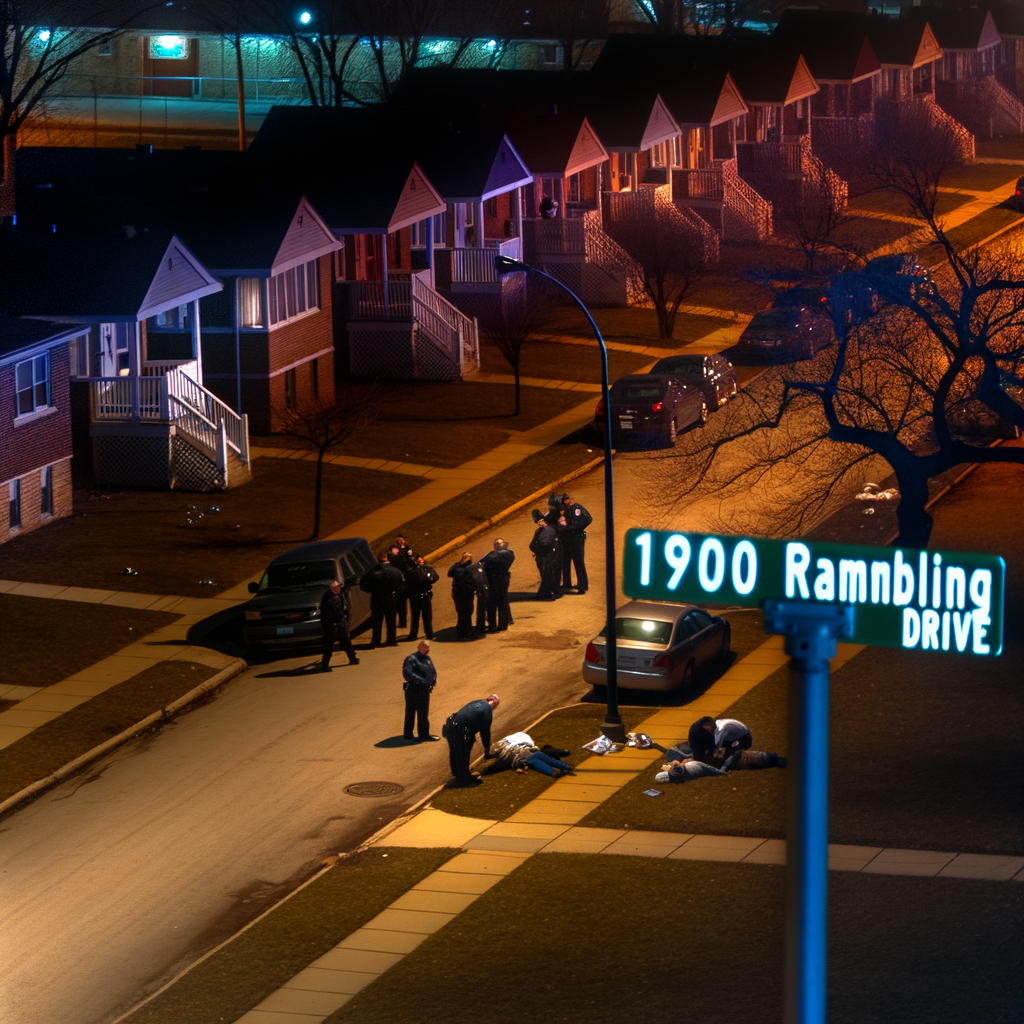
x: 30, y: 443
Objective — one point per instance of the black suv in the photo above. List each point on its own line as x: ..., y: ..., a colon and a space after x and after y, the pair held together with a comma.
x: 713, y: 374
x: 285, y: 610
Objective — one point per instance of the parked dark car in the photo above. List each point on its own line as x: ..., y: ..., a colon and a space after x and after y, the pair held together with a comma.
x: 893, y: 278
x: 285, y: 611
x: 650, y: 408
x: 713, y: 374
x: 814, y: 297
x: 783, y: 335
x: 658, y: 646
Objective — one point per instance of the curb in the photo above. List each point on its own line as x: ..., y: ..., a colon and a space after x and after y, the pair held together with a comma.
x: 511, y: 510
x: 37, y: 787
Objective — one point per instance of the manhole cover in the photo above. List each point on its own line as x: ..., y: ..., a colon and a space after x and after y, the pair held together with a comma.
x: 374, y: 789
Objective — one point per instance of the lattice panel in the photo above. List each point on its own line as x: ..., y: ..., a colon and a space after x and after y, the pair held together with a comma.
x: 431, y: 362
x: 192, y: 470
x: 132, y: 462
x: 570, y: 274
x: 381, y: 351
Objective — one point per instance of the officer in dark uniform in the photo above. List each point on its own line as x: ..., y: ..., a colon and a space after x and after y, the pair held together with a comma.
x: 549, y: 564
x: 420, y: 678
x: 460, y: 731
x: 334, y: 616
x: 573, y: 538
x: 498, y: 564
x: 384, y: 582
x: 418, y: 581
x: 483, y: 594
x: 399, y: 557
x: 463, y: 592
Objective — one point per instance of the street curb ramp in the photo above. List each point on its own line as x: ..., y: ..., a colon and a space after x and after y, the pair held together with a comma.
x: 150, y: 721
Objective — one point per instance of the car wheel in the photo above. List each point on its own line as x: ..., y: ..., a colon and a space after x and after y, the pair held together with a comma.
x: 686, y: 684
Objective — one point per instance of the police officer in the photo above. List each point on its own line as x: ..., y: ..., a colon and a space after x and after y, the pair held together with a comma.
x: 418, y: 581
x: 399, y: 557
x: 383, y: 583
x: 334, y: 616
x: 545, y: 549
x: 497, y: 565
x: 420, y: 679
x: 460, y: 731
x: 482, y: 588
x: 463, y: 592
x: 574, y: 520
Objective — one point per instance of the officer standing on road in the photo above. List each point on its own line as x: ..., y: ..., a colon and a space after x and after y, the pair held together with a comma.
x: 545, y: 549
x: 383, y: 583
x: 463, y: 592
x: 573, y: 537
x: 460, y: 731
x: 334, y: 616
x: 497, y: 565
x: 483, y: 594
x: 420, y: 679
x: 418, y: 581
x: 399, y: 557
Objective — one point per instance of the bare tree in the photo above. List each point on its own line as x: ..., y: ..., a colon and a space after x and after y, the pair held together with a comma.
x: 325, y: 424
x: 510, y: 320
x: 576, y: 24
x: 671, y: 256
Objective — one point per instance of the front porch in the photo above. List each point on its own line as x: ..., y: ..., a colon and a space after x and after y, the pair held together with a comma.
x: 718, y: 194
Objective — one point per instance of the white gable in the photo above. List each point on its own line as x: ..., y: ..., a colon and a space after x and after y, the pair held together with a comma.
x: 419, y: 200
x: 307, y: 237
x: 730, y: 104
x: 180, y: 278
x: 661, y: 125
x: 587, y: 151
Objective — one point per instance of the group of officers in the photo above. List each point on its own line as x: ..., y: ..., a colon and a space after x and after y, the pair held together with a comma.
x: 401, y: 584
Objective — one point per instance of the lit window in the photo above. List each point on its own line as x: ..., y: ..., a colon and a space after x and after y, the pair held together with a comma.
x: 33, y: 384
x: 169, y: 47
x: 46, y: 491
x: 14, y: 504
x: 294, y: 292
x: 250, y: 301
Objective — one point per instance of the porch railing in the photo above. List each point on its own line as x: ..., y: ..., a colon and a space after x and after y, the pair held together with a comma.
x: 189, y: 396
x: 476, y: 266
x: 159, y: 367
x: 562, y: 236
x: 698, y: 184
x: 129, y: 398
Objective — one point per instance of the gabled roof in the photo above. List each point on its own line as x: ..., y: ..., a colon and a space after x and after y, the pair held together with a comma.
x: 763, y: 72
x: 1009, y: 18
x: 21, y: 338
x: 74, y: 277
x: 835, y: 44
x: 969, y: 29
x: 908, y: 43
x: 554, y: 142
x: 704, y: 98
x: 471, y: 166
x: 628, y: 121
x: 359, y: 172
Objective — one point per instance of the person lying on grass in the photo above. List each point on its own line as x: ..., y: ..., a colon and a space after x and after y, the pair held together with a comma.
x: 690, y: 768
x: 518, y: 752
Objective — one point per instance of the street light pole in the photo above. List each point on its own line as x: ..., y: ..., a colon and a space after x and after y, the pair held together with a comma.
x: 613, y: 727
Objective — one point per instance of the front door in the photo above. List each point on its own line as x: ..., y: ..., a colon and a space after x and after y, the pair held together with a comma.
x: 170, y: 64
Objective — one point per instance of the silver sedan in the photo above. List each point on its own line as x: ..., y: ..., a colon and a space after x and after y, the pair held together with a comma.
x: 659, y: 646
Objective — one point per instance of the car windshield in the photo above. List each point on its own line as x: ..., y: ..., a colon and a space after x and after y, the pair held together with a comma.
x: 650, y: 631
x: 684, y: 368
x: 773, y: 318
x: 638, y: 391
x: 298, y: 575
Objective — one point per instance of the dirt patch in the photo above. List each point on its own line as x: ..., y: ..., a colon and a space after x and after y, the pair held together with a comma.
x: 261, y: 959
x: 145, y: 530
x: 560, y: 640
x: 77, y: 731
x: 44, y: 641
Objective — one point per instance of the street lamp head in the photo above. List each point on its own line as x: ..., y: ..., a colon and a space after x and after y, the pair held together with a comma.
x: 506, y: 265
x: 305, y: 17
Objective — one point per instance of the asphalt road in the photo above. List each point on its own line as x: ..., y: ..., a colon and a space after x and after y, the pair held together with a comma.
x: 117, y: 879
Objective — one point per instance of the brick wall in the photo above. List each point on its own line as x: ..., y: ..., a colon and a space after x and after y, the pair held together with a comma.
x: 37, y: 442
x: 31, y: 490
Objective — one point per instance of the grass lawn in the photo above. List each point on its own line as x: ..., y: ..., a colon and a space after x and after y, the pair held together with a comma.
x: 637, y: 325
x: 1003, y: 147
x: 423, y: 420
x: 44, y: 641
x: 980, y: 227
x: 549, y: 360
x: 77, y: 731
x: 983, y: 177
x: 145, y: 530
x: 865, y: 234
x: 471, y: 508
x: 606, y: 939
x: 297, y: 932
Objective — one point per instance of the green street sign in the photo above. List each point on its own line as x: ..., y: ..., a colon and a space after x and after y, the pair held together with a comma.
x: 902, y: 597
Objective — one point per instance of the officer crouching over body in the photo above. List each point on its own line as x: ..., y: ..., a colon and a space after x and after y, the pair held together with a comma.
x: 573, y: 520
x: 546, y: 551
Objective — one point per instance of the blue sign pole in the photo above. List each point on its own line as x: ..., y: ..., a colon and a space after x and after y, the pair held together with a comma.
x: 811, y: 632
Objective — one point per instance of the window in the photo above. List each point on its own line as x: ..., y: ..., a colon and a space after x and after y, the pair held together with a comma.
x: 250, y: 302
x: 78, y: 352
x: 294, y: 292
x: 46, y: 491
x: 314, y: 376
x: 174, y: 319
x: 33, y: 384
x: 677, y: 151
x: 491, y: 207
x: 14, y: 504
x: 289, y: 389
x: 169, y: 47
x: 659, y: 155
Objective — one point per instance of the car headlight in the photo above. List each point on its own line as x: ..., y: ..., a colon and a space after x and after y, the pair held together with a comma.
x: 249, y: 616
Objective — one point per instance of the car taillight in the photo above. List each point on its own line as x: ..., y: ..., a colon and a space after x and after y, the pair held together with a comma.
x: 249, y: 616
x: 599, y: 411
x: 657, y: 407
x: 592, y: 657
x: 662, y: 661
